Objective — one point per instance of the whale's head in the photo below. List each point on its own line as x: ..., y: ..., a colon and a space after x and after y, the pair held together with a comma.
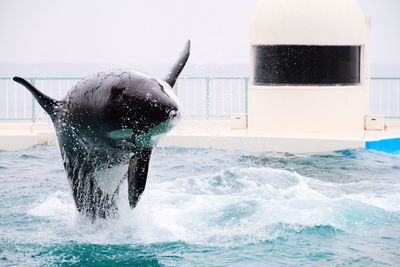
x: 143, y: 108
x: 140, y: 110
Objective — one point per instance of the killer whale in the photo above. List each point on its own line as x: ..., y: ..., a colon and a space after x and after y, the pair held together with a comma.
x: 106, y: 127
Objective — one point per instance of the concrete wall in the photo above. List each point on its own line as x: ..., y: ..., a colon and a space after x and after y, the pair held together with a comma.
x: 306, y: 109
x: 309, y: 109
x: 215, y: 134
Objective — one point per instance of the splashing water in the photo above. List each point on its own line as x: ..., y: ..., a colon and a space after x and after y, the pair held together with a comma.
x: 210, y: 207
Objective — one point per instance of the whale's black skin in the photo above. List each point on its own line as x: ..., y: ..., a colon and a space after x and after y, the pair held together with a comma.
x: 106, y: 121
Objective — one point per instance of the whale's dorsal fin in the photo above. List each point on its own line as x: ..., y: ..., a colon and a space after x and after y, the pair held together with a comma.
x: 47, y: 103
x: 179, y: 65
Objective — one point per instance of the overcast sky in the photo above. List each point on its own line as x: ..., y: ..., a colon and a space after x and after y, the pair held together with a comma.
x: 152, y: 31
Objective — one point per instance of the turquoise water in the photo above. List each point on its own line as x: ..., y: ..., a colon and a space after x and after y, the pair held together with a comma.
x: 210, y: 208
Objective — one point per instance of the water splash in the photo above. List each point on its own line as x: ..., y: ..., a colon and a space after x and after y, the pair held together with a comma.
x: 237, y: 206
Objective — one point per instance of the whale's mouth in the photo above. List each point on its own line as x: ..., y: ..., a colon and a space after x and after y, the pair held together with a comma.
x: 125, y: 138
x: 151, y: 138
x: 174, y: 115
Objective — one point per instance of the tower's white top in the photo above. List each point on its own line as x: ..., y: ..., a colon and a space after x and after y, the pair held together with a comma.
x: 308, y: 22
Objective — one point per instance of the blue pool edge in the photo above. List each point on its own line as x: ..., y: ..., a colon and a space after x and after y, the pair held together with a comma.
x: 391, y: 146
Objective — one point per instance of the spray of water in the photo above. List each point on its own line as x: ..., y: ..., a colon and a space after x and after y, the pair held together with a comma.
x: 224, y: 208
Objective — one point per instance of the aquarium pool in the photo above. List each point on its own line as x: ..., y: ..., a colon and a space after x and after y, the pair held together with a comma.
x: 210, y: 208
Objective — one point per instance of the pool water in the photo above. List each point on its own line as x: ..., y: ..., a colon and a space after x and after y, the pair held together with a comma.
x: 210, y: 208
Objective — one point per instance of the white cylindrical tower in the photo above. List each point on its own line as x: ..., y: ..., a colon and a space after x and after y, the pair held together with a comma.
x: 309, y: 67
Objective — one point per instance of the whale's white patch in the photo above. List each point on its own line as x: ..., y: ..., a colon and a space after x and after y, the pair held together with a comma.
x: 109, y: 179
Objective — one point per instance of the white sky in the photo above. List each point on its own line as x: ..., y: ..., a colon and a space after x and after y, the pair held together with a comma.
x: 152, y: 31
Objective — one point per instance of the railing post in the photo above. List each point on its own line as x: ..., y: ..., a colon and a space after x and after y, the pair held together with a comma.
x: 246, y: 95
x: 176, y: 86
x: 33, y: 102
x: 207, y: 98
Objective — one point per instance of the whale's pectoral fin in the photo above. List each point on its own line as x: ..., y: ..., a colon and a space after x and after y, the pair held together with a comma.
x: 47, y: 103
x: 137, y: 174
x: 179, y: 65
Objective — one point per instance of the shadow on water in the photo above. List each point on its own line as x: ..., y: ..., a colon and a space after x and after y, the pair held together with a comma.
x: 73, y: 254
x: 95, y: 255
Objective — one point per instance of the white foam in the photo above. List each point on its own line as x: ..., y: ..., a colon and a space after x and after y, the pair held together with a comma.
x: 57, y: 205
x: 237, y: 205
x: 389, y: 202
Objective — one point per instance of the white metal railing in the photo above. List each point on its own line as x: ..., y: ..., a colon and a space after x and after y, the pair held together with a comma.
x: 200, y: 97
x: 385, y: 97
